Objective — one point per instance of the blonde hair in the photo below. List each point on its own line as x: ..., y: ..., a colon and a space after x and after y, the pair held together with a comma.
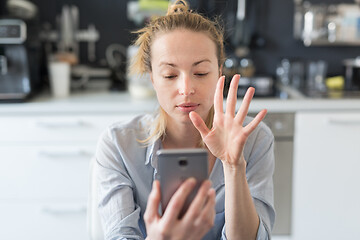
x: 178, y: 17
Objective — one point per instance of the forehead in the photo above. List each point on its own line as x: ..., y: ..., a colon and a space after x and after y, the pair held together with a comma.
x: 182, y: 45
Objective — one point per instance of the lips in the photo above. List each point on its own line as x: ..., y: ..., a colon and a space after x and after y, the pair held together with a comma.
x: 187, y: 107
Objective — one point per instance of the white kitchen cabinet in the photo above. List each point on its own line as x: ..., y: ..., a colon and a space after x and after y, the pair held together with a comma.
x: 55, y: 128
x: 44, y: 173
x: 326, y: 180
x: 55, y: 220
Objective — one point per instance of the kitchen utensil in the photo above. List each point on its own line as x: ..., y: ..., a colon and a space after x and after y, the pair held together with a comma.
x: 352, y: 73
x: 59, y: 79
x: 15, y: 83
x: 291, y: 72
x: 139, y: 85
x: 314, y: 22
x: 22, y: 9
x: 264, y: 86
x: 316, y: 75
x: 116, y: 56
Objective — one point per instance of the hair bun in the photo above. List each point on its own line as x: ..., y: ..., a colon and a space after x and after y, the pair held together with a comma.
x: 179, y: 6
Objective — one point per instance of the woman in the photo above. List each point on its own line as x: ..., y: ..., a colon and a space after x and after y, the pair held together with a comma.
x: 183, y: 53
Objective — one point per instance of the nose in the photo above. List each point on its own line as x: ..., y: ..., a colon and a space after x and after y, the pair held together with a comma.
x: 186, y: 86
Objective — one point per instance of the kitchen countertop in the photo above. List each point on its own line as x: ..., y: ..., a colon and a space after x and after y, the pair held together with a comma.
x: 117, y: 102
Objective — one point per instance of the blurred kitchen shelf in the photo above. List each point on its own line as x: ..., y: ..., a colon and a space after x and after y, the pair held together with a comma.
x: 354, y: 94
x: 288, y: 92
x: 327, y: 43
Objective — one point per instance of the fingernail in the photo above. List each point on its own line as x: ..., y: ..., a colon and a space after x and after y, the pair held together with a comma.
x: 192, y: 181
x: 211, y: 192
x: 207, y: 183
x: 154, y: 186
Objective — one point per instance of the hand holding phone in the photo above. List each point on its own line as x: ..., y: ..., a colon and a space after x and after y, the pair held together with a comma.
x: 177, y: 165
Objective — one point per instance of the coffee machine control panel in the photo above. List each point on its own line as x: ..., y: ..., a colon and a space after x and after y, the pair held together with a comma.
x: 12, y: 31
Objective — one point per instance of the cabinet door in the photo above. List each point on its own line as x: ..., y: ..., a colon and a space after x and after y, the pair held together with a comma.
x: 326, y: 176
x: 282, y: 186
x: 56, y: 128
x: 43, y: 220
x: 45, y: 172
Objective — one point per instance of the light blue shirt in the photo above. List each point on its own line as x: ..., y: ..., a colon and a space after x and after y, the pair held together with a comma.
x: 126, y: 170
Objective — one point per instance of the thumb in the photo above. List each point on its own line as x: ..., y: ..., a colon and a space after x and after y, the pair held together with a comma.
x: 199, y: 124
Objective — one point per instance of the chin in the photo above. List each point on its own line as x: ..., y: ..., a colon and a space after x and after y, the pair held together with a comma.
x: 185, y: 119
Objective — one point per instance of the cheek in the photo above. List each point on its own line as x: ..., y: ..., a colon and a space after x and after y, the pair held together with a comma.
x: 212, y: 90
x: 164, y: 93
x: 208, y: 93
x: 212, y: 86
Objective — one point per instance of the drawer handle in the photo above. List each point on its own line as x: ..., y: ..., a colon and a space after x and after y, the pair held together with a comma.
x: 344, y: 121
x: 64, y: 210
x: 69, y: 124
x: 63, y: 154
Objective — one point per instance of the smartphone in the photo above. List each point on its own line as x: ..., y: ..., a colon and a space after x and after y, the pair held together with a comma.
x: 177, y: 165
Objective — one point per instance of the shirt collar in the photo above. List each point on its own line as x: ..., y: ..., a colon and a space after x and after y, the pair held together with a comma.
x: 151, y: 152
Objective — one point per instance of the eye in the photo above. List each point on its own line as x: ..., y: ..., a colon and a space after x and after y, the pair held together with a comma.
x: 170, y: 76
x: 201, y: 74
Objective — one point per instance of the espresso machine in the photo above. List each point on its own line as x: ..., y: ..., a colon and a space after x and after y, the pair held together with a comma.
x: 15, y: 82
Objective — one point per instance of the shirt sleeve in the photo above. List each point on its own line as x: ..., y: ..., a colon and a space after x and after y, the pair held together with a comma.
x: 117, y: 209
x: 259, y: 173
x: 262, y: 233
x: 259, y: 153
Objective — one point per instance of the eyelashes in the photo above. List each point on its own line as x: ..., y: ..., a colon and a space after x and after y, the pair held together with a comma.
x: 170, y: 76
x: 201, y: 74
x: 196, y: 74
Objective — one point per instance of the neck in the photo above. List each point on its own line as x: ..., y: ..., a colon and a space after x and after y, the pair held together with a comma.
x: 185, y: 135
x: 181, y: 135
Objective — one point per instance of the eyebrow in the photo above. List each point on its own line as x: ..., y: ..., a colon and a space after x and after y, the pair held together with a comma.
x: 194, y: 64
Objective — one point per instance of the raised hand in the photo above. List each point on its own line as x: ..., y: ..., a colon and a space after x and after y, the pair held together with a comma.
x: 227, y: 138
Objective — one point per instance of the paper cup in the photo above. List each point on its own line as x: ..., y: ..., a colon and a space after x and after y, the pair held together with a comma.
x: 59, y: 79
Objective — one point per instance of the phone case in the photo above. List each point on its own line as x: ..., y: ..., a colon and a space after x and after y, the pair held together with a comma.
x: 175, y: 166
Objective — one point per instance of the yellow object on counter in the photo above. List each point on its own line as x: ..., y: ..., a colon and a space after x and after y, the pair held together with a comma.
x: 335, y: 83
x: 161, y: 5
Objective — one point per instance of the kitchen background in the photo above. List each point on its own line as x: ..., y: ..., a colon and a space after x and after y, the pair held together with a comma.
x: 288, y: 49
x: 267, y: 35
x: 274, y: 23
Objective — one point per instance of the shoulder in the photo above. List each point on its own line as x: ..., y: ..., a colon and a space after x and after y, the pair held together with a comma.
x: 130, y: 130
x: 119, y: 142
x: 259, y: 141
x: 262, y: 129
x: 137, y: 124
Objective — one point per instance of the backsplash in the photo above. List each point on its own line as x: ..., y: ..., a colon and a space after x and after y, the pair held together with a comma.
x: 273, y: 24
